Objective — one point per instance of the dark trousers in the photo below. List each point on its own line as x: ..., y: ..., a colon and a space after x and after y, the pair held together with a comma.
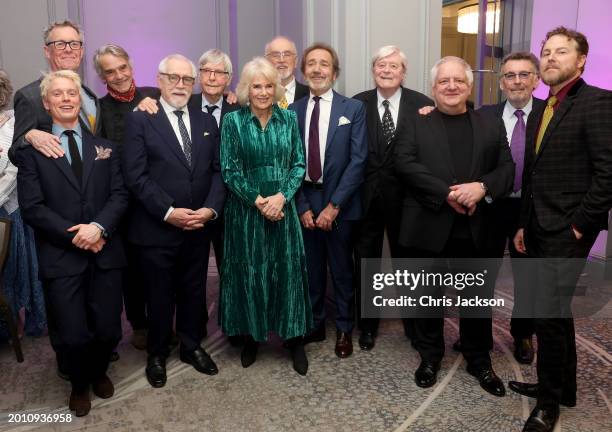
x: 216, y: 233
x: 384, y: 213
x: 555, y: 280
x: 174, y: 276
x: 133, y: 290
x: 84, y: 321
x: 476, y: 334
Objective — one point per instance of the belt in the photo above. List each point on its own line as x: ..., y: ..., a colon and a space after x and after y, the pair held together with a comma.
x: 311, y: 185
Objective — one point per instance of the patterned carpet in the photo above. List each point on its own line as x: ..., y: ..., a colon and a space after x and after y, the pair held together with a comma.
x: 370, y: 391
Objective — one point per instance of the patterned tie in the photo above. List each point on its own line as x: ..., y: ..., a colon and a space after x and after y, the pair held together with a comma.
x: 75, y: 157
x: 283, y: 103
x: 184, y: 136
x: 210, y: 109
x: 548, y: 113
x: 517, y: 147
x: 314, y: 154
x: 387, y: 123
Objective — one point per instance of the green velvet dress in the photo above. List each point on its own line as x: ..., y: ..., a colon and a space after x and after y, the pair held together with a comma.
x: 264, y: 283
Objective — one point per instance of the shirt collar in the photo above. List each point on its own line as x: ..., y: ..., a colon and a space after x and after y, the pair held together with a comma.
x: 169, y: 109
x: 291, y: 86
x: 327, y: 96
x: 58, y: 130
x: 394, y: 100
x: 561, y: 94
x: 509, y: 109
x: 205, y: 102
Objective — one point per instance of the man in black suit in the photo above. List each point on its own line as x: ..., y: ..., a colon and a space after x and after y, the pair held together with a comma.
x: 75, y: 203
x: 519, y: 77
x: 452, y: 165
x: 389, y: 108
x: 63, y: 50
x: 282, y: 53
x: 567, y: 194
x: 171, y: 166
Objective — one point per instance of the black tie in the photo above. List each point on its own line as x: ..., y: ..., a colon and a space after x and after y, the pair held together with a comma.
x: 184, y: 136
x: 210, y: 109
x: 75, y: 156
x: 387, y: 123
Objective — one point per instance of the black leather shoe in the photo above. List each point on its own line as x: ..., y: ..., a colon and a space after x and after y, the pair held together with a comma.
x: 531, y: 390
x: 344, y: 344
x: 523, y: 351
x: 156, y: 371
x: 366, y: 340
x: 63, y: 375
x: 200, y: 360
x: 489, y: 381
x: 426, y: 374
x: 249, y: 352
x: 541, y: 420
x: 298, y: 355
x: 317, y: 335
x: 114, y: 356
x: 80, y: 402
x: 457, y: 345
x: 236, y: 341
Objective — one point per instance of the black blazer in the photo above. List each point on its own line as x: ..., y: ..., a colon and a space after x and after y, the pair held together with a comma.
x: 51, y: 201
x: 31, y: 114
x: 497, y: 110
x: 159, y: 176
x: 301, y: 91
x: 195, y: 102
x: 379, y: 173
x: 424, y: 166
x: 570, y: 180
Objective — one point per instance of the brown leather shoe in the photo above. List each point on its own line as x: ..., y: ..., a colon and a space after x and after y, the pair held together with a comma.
x: 103, y: 387
x: 344, y: 344
x: 523, y: 351
x: 79, y: 402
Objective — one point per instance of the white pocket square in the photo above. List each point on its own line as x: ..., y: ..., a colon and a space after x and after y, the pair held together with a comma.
x: 206, y: 133
x: 343, y: 121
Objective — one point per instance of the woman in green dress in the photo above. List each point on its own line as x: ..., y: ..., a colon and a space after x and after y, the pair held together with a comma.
x: 264, y: 283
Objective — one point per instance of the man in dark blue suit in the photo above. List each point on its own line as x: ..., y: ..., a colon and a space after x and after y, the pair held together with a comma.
x: 171, y: 166
x: 74, y: 203
x: 333, y: 130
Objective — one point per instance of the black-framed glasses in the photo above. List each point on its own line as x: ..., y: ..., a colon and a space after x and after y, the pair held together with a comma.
x: 61, y: 45
x: 174, y: 79
x: 523, y: 76
x: 210, y: 72
x: 277, y: 55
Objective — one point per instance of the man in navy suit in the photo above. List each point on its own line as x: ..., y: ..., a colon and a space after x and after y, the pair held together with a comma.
x: 333, y: 130
x: 74, y: 203
x: 171, y: 166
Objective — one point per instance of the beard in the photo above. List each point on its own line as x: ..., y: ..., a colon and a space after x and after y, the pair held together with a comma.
x: 557, y: 78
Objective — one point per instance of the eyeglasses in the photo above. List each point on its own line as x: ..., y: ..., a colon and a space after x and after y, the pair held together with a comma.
x: 523, y: 76
x: 174, y: 79
x: 277, y: 55
x: 61, y: 45
x: 210, y: 72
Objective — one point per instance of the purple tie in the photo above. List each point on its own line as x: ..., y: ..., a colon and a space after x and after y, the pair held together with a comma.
x: 517, y: 147
x: 314, y: 154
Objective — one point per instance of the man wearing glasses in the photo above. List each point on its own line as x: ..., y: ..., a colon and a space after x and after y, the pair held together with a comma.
x: 282, y: 53
x: 170, y: 162
x: 63, y: 50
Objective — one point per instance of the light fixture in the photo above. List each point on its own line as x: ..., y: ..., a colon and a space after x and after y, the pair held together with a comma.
x: 467, y: 21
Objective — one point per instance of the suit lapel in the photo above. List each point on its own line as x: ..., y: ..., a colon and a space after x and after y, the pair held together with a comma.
x: 438, y: 132
x: 162, y: 125
x: 300, y: 109
x: 372, y: 113
x: 554, y: 122
x: 478, y: 141
x: 63, y: 165
x: 337, y: 109
x: 197, y: 135
x: 89, y: 155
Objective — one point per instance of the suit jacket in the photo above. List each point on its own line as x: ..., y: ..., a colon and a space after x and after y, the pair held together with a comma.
x: 569, y: 182
x: 31, y: 114
x: 159, y: 176
x: 497, y: 110
x: 196, y: 102
x: 424, y: 165
x: 301, y: 91
x: 51, y: 201
x: 345, y: 156
x: 379, y: 173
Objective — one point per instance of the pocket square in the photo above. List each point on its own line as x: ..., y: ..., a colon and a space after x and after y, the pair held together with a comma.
x: 103, y: 153
x: 343, y: 121
x: 206, y: 133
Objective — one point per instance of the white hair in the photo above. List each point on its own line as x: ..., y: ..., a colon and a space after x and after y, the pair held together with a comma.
x: 388, y: 50
x: 163, y: 65
x: 468, y: 69
x: 216, y: 56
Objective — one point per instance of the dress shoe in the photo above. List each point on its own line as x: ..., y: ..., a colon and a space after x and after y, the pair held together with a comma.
x: 249, y: 352
x: 531, y: 390
x: 489, y: 381
x: 426, y: 374
x: 200, y: 360
x: 79, y: 402
x: 457, y: 345
x: 366, y: 340
x: 139, y: 339
x: 298, y: 355
x: 63, y: 375
x: 103, y: 387
x: 114, y: 356
x: 236, y: 341
x: 156, y: 371
x: 174, y: 340
x: 317, y: 335
x: 344, y: 344
x: 542, y: 420
x: 523, y: 350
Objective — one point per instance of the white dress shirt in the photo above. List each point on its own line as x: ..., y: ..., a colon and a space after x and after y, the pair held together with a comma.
x: 216, y: 113
x: 510, y: 121
x: 394, y: 103
x: 325, y: 104
x: 290, y: 91
x: 169, y: 110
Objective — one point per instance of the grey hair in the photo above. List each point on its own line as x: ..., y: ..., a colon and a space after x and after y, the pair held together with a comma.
x: 48, y: 78
x: 258, y: 66
x: 111, y: 49
x: 267, y: 47
x: 468, y: 69
x: 163, y: 64
x: 388, y: 50
x: 66, y: 23
x: 216, y: 56
x: 6, y: 90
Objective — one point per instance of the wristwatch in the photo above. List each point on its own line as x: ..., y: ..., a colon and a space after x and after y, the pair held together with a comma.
x: 488, y: 199
x: 334, y: 205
